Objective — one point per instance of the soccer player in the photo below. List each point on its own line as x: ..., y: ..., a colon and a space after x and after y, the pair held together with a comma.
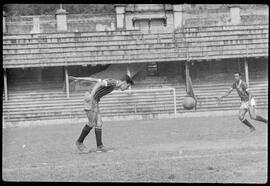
x: 247, y: 102
x: 91, y: 107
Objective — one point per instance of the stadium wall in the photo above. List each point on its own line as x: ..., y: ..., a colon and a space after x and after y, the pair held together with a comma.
x: 193, y: 15
x: 47, y: 23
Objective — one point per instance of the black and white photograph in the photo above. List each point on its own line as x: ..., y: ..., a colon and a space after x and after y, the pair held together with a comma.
x: 135, y: 93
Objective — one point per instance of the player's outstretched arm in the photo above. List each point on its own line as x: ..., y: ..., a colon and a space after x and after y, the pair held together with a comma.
x: 226, y: 94
x: 84, y: 78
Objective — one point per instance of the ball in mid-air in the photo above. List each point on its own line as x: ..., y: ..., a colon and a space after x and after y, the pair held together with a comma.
x: 189, y: 103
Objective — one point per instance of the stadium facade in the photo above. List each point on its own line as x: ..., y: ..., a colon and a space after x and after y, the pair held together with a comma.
x: 154, y: 43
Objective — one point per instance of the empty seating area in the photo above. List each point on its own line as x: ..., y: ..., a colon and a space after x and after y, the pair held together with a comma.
x: 47, y: 100
x: 30, y: 102
x: 196, y: 43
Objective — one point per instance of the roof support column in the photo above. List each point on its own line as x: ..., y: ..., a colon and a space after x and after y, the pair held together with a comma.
x: 5, y: 84
x: 246, y: 72
x: 187, y: 72
x: 4, y: 23
x: 67, y: 82
x: 128, y: 73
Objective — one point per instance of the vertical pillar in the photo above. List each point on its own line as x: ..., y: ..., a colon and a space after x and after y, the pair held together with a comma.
x: 5, y: 84
x: 61, y: 20
x: 235, y: 14
x: 67, y: 82
x: 187, y: 72
x: 246, y: 72
x: 128, y: 73
x: 174, y: 102
x: 4, y: 23
x: 36, y: 25
x: 120, y: 15
x: 178, y: 16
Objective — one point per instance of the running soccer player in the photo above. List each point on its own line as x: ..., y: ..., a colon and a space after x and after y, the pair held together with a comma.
x: 91, y: 107
x: 247, y: 102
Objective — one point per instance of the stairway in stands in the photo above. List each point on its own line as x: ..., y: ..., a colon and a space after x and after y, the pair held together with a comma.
x: 30, y: 102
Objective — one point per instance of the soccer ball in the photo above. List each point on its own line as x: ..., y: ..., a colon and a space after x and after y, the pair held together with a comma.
x: 189, y: 103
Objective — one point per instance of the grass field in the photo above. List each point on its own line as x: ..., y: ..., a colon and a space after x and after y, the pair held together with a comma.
x: 199, y: 149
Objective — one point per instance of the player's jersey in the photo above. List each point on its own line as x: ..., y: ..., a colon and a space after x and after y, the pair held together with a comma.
x: 98, y: 91
x: 104, y: 90
x: 241, y: 89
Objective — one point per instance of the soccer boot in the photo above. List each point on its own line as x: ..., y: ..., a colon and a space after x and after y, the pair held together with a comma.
x: 101, y: 148
x: 81, y: 147
x: 252, y: 129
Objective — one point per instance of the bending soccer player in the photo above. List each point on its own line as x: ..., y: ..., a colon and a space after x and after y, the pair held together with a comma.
x: 247, y: 102
x: 91, y: 107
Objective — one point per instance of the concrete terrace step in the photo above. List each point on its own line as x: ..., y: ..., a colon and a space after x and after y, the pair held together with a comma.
x: 65, y: 116
x: 32, y: 86
x: 214, y: 96
x: 104, y: 109
x: 71, y: 96
x: 80, y: 98
x: 105, y: 99
x: 73, y: 113
x: 108, y: 102
x: 229, y: 98
x: 131, y: 109
x: 53, y: 104
x: 59, y: 92
x: 109, y: 106
x: 39, y: 99
x: 179, y: 93
x: 80, y: 104
x: 226, y: 104
x: 126, y: 113
x: 236, y: 108
x: 178, y: 88
x: 223, y: 91
x: 142, y: 82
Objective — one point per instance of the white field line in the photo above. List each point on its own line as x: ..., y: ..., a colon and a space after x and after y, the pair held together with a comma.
x: 140, y: 160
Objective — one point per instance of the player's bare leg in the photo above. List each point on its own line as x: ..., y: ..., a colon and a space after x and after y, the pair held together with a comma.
x: 253, y: 115
x: 242, y: 113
